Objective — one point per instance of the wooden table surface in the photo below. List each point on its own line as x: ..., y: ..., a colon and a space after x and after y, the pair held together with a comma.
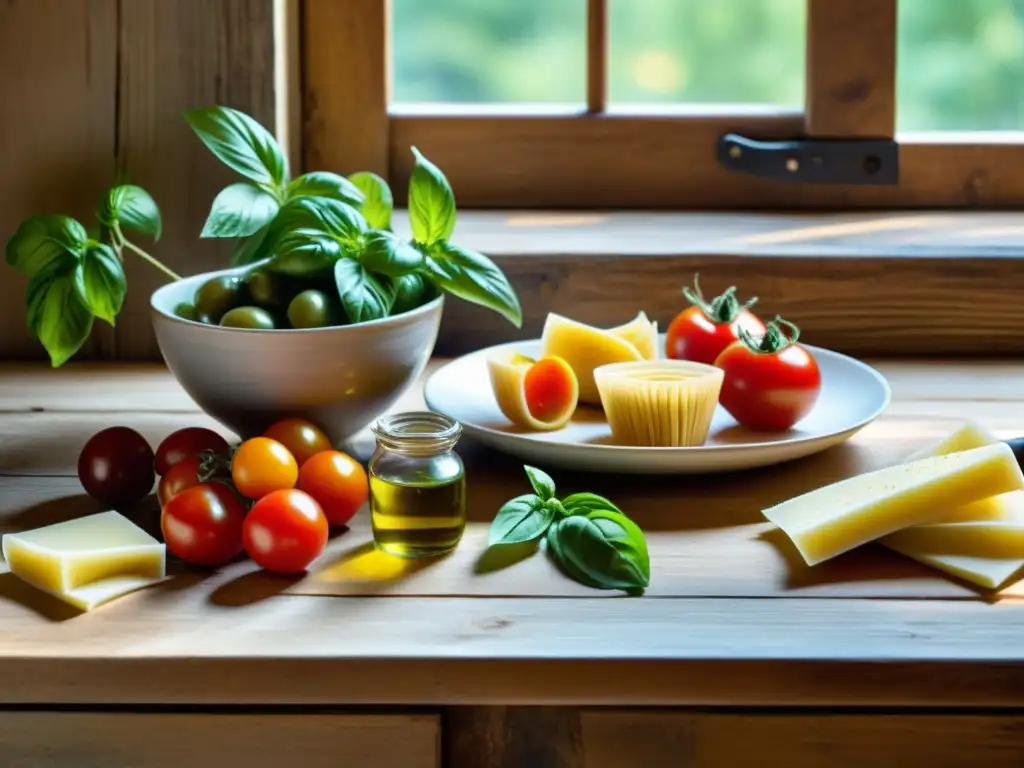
x: 733, y: 616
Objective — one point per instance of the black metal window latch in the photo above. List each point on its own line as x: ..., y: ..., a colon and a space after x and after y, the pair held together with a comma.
x: 819, y: 161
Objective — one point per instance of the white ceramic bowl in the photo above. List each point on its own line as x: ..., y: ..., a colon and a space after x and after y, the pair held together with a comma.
x: 341, y: 377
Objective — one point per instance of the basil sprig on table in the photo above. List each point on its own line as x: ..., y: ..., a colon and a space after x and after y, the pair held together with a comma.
x: 76, y: 276
x: 590, y: 539
x: 321, y: 222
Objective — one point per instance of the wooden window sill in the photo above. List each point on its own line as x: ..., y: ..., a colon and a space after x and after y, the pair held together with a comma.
x: 891, y: 283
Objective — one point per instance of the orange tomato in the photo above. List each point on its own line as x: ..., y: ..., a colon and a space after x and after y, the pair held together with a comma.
x: 302, y: 438
x: 261, y: 466
x: 338, y: 483
x: 550, y: 388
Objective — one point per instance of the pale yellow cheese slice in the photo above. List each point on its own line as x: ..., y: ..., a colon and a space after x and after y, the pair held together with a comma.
x: 642, y: 333
x: 986, y: 546
x: 584, y: 348
x: 839, y: 517
x: 88, y: 561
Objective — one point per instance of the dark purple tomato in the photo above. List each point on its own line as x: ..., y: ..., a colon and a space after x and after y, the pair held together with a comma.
x: 116, y: 466
x: 185, y: 443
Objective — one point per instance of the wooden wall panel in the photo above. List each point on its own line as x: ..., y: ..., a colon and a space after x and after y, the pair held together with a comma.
x: 57, y: 75
x: 176, y: 56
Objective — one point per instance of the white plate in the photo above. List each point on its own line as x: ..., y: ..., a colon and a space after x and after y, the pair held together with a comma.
x: 853, y: 394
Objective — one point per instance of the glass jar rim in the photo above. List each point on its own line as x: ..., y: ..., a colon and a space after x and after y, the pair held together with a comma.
x: 417, y: 429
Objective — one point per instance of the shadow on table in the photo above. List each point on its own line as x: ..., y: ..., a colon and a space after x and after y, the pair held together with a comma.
x: 48, y: 607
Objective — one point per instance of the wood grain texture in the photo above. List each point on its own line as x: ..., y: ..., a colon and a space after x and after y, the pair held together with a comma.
x: 346, y: 85
x: 597, y: 55
x: 658, y: 739
x: 177, y: 56
x: 57, y: 85
x: 851, y: 68
x: 211, y: 740
x: 512, y: 737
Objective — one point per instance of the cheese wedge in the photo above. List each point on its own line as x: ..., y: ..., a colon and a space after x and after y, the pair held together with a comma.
x: 88, y: 561
x: 641, y: 333
x: 984, y: 544
x: 839, y: 517
x: 584, y: 348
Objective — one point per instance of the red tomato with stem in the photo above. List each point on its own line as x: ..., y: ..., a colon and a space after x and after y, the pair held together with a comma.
x: 337, y: 482
x: 180, y: 476
x: 285, y: 531
x: 203, y: 524
x: 700, y: 333
x: 190, y: 441
x: 770, y: 383
x: 302, y: 438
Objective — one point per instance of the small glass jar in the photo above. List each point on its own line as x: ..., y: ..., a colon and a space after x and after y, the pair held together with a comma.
x: 417, y: 485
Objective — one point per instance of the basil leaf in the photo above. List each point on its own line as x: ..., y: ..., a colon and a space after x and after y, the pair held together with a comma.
x: 475, y: 278
x: 541, y: 481
x: 431, y: 202
x: 239, y: 210
x: 524, y: 518
x: 56, y: 314
x: 100, y: 282
x: 240, y: 143
x: 250, y: 249
x: 411, y: 291
x: 325, y: 184
x: 554, y: 542
x: 133, y: 208
x: 582, y: 503
x: 606, y: 548
x: 303, y: 252
x: 42, y: 240
x: 364, y: 296
x: 331, y: 216
x: 378, y: 201
x: 389, y: 255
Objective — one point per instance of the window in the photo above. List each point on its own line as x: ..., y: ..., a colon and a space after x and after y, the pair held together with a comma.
x: 622, y: 103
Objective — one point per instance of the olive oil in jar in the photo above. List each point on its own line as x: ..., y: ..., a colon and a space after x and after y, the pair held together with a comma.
x: 417, y: 485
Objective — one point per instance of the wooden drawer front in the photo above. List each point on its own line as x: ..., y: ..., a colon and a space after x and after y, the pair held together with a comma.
x: 617, y: 739
x: 86, y: 740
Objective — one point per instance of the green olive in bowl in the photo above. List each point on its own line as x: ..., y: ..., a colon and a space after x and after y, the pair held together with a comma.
x: 248, y: 317
x: 217, y: 296
x: 310, y: 309
x: 266, y: 289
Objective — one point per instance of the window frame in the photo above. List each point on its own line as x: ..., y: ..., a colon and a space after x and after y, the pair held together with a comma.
x: 655, y: 159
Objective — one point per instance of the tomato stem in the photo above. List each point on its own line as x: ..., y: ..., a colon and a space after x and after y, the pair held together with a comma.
x: 778, y: 335
x: 722, y: 309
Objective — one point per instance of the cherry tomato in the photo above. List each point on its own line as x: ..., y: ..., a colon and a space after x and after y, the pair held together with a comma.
x: 700, y: 333
x: 261, y: 466
x: 180, y: 476
x: 190, y: 441
x: 203, y: 524
x: 771, y: 384
x: 337, y: 482
x: 116, y: 466
x: 301, y: 437
x: 285, y: 531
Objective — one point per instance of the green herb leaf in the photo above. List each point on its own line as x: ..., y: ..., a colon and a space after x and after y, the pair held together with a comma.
x: 541, y: 481
x: 331, y: 216
x: 302, y: 252
x: 100, y: 282
x: 567, y: 566
x: 249, y: 250
x: 582, y: 503
x: 604, y: 547
x: 239, y: 210
x: 42, y: 240
x: 56, y: 314
x: 431, y: 202
x: 412, y: 291
x: 133, y: 208
x: 325, y: 184
x: 524, y: 518
x: 364, y: 295
x: 241, y: 143
x: 390, y: 255
x: 378, y: 201
x: 475, y: 278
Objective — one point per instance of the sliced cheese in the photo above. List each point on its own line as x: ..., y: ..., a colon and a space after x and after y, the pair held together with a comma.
x: 984, y: 543
x: 584, y: 348
x: 641, y: 333
x: 839, y: 517
x: 88, y: 561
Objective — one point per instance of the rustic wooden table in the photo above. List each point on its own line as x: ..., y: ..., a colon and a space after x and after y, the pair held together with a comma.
x: 739, y: 655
